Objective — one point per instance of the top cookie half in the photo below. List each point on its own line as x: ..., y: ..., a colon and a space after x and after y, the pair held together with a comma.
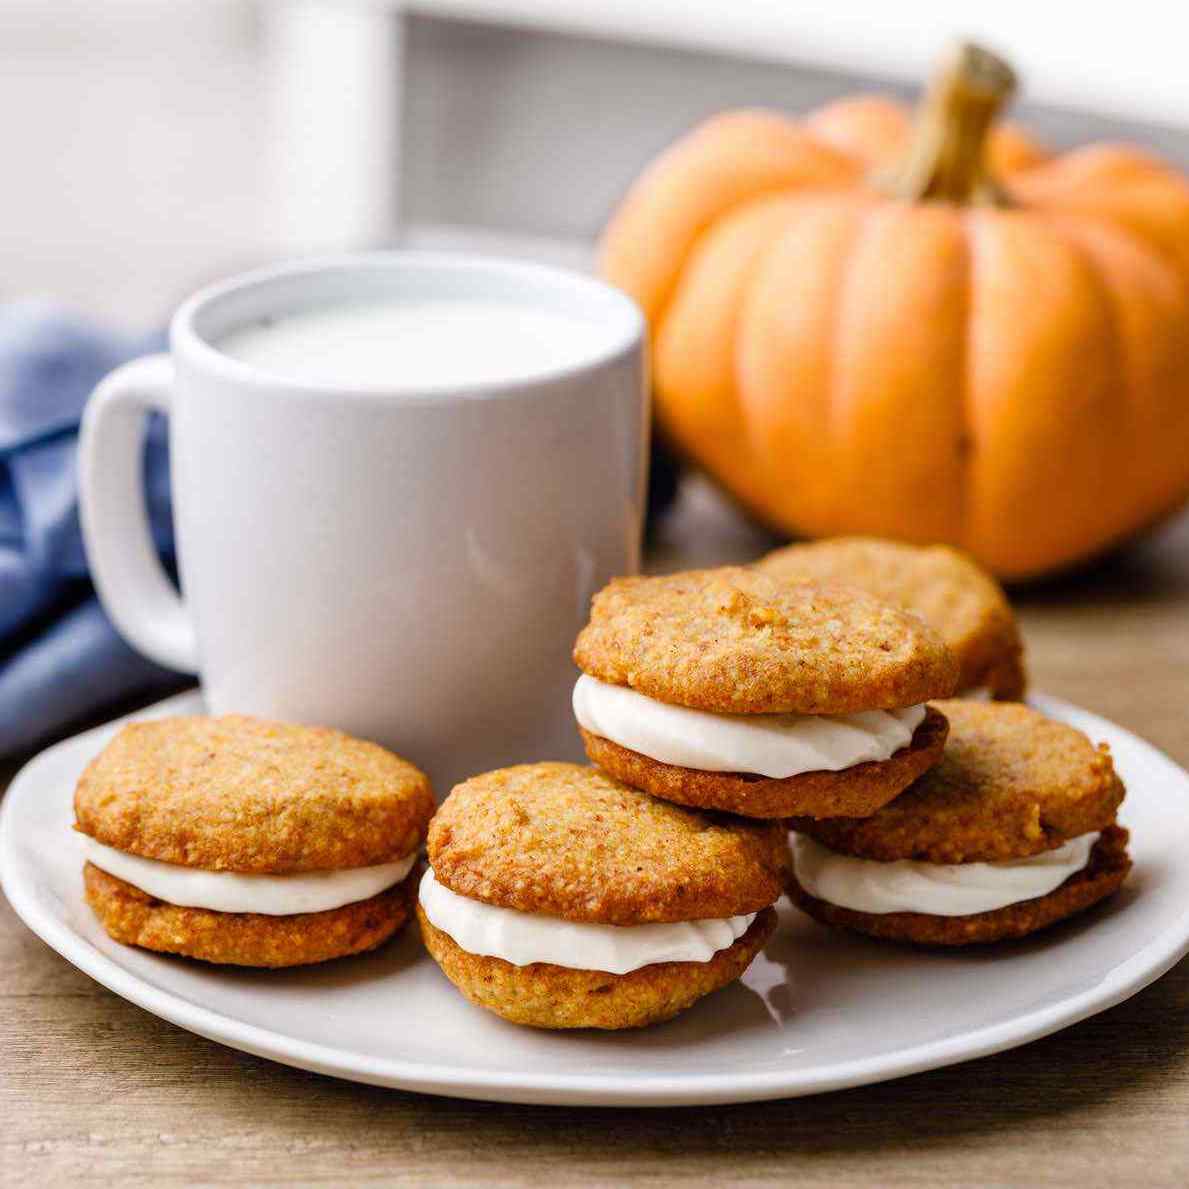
x: 1011, y: 783
x: 244, y: 794
x: 737, y: 641
x: 947, y: 589
x: 571, y: 842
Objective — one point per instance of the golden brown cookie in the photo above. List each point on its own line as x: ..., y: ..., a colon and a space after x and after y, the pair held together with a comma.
x: 552, y: 842
x: 852, y: 792
x: 734, y: 640
x: 250, y: 804
x: 946, y: 588
x: 571, y: 842
x: 1010, y: 783
x: 546, y: 996
x: 245, y: 938
x: 249, y: 795
x: 1100, y: 878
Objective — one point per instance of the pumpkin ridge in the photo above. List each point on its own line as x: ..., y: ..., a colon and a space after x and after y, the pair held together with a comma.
x: 1073, y: 224
x: 713, y: 222
x: 844, y: 301
x: 766, y: 278
x: 1119, y: 353
x: 1068, y: 227
x: 1092, y: 234
x: 667, y: 339
x: 1055, y: 188
x: 761, y: 514
x: 707, y: 229
x: 966, y: 445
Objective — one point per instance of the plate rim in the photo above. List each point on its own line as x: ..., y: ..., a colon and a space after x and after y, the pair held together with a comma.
x: 1144, y: 967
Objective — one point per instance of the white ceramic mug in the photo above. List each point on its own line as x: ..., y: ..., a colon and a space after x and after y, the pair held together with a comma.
x: 409, y: 565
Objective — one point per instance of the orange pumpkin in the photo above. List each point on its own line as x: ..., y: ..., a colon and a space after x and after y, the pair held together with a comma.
x: 929, y: 331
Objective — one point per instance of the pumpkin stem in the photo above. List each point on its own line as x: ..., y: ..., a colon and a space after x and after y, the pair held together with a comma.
x: 946, y: 160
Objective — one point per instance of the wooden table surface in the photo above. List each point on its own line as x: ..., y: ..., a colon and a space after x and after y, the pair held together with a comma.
x: 94, y: 1089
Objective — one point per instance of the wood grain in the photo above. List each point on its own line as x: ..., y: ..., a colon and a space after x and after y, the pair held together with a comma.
x: 93, y: 1089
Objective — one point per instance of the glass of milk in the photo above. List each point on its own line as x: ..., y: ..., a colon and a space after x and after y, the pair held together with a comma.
x: 397, y: 480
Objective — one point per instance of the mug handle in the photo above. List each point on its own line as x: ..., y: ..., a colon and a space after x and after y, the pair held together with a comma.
x: 132, y: 584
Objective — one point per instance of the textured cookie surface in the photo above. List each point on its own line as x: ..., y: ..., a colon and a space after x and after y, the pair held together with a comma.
x: 948, y: 590
x: 1010, y: 783
x: 545, y: 996
x: 133, y: 917
x: 853, y: 792
x: 1101, y: 877
x: 245, y: 794
x: 737, y: 641
x: 569, y: 841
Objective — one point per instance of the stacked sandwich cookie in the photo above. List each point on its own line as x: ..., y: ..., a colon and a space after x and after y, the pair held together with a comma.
x: 768, y: 693
x: 732, y: 690
x: 1014, y: 830
x: 558, y: 897
x: 945, y: 587
x: 238, y: 840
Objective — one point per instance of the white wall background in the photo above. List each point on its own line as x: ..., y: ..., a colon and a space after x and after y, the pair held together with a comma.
x: 140, y: 155
x: 1124, y: 60
x: 539, y: 132
x: 133, y: 148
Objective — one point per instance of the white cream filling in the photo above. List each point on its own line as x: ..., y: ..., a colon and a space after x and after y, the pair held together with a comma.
x: 522, y: 938
x: 939, y: 889
x: 230, y: 891
x: 773, y: 745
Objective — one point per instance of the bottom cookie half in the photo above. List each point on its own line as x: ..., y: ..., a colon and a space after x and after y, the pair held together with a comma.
x: 853, y: 792
x: 246, y: 938
x: 545, y: 996
x: 1102, y: 875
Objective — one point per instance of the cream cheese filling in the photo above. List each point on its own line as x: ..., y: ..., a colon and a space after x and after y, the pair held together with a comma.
x: 231, y: 891
x: 772, y: 745
x: 522, y: 938
x: 938, y: 889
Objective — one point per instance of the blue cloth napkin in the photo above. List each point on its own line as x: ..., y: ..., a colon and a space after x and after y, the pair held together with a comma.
x: 61, y: 661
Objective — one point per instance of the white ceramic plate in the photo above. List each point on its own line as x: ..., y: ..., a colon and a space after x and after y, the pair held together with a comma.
x: 819, y: 1010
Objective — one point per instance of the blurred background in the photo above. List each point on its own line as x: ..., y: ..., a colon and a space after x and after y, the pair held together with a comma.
x: 154, y: 144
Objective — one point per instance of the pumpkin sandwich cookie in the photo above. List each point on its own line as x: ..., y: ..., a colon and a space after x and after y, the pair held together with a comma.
x: 249, y: 842
x: 731, y: 690
x: 1014, y: 830
x: 946, y: 588
x: 559, y: 898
